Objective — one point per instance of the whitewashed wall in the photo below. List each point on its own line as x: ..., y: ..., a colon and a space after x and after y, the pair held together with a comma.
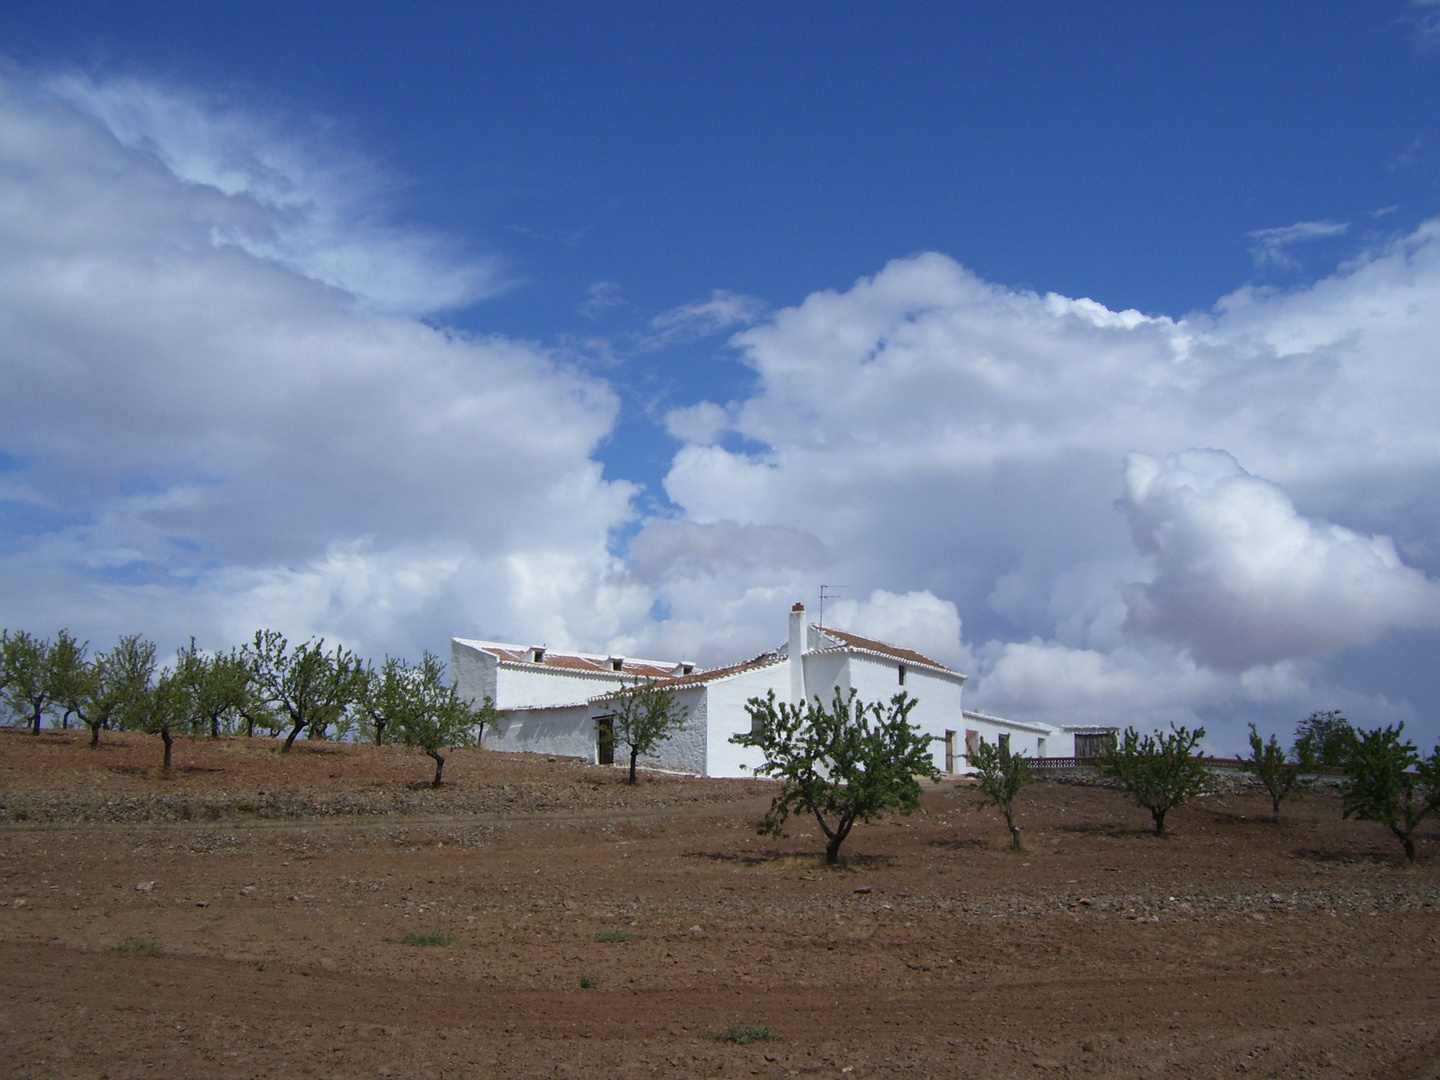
x: 1024, y: 738
x: 565, y: 731
x: 725, y: 715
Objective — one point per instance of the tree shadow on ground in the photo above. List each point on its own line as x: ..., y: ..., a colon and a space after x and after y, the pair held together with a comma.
x: 796, y: 860
x: 960, y: 844
x: 1112, y: 829
x: 1335, y: 856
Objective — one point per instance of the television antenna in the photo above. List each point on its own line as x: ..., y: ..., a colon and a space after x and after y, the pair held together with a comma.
x: 827, y: 596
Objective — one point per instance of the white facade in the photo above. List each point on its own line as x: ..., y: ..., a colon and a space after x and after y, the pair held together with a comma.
x: 556, y: 703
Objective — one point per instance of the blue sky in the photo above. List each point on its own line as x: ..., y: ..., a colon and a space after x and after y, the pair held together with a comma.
x: 549, y: 225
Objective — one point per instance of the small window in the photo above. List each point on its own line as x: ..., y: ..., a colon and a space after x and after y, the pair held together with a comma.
x: 537, y: 654
x: 617, y: 663
x: 1004, y: 741
x: 687, y: 669
x: 902, y: 674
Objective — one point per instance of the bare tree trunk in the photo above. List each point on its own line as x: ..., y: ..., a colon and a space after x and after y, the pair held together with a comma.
x: 39, y: 711
x: 439, y: 766
x: 1409, y: 842
x: 1014, y: 832
x: 294, y: 734
x: 169, y: 746
x: 842, y: 830
x: 1159, y: 816
x: 95, y: 734
x: 634, y: 754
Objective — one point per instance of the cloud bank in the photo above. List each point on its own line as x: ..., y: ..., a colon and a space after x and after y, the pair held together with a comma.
x: 221, y: 407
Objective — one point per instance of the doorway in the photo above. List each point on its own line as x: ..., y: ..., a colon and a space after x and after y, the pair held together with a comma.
x: 949, y: 751
x: 605, y: 740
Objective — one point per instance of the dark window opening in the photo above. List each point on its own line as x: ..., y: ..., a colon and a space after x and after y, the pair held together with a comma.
x: 538, y: 654
x: 902, y: 674
x: 1004, y: 742
x: 617, y: 663
x: 605, y: 740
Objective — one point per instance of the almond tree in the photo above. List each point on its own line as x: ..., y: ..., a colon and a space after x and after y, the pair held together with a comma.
x: 1159, y: 771
x: 429, y: 714
x: 645, y: 715
x: 221, y: 688
x: 1000, y: 776
x: 28, y: 686
x: 165, y: 706
x: 311, y: 687
x: 67, y: 670
x: 1326, y: 738
x: 115, y: 685
x: 1280, y: 775
x: 1389, y: 783
x: 844, y: 763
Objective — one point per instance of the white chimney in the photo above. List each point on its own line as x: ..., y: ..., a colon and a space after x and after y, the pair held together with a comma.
x: 796, y: 652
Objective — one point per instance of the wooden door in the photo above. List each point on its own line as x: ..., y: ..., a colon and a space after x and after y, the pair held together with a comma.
x: 605, y: 740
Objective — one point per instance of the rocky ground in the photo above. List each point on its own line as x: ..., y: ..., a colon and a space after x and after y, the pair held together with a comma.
x: 320, y: 914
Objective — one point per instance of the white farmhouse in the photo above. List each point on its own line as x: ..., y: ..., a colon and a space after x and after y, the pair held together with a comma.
x: 558, y: 703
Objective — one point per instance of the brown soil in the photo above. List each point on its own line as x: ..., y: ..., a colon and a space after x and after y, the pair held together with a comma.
x: 248, y: 917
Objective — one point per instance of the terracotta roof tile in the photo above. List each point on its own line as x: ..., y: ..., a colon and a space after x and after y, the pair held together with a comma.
x: 871, y: 645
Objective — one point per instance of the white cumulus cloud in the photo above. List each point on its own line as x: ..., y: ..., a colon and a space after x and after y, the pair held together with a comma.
x: 1243, y: 579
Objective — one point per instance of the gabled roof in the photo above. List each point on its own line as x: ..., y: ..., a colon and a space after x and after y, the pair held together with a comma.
x: 581, y: 663
x: 847, y: 641
x: 700, y: 678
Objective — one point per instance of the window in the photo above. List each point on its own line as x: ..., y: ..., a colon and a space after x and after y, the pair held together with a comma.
x: 1004, y: 741
x: 1090, y: 745
x: 1039, y: 747
x: 972, y: 741
x: 902, y: 674
x: 537, y: 654
x: 617, y: 663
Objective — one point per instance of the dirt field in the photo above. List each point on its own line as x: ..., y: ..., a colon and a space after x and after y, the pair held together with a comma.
x: 248, y: 917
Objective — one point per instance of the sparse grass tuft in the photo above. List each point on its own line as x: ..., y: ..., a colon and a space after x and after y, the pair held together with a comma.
x: 136, y: 945
x: 423, y: 937
x: 743, y: 1034
x: 613, y: 936
x: 587, y: 983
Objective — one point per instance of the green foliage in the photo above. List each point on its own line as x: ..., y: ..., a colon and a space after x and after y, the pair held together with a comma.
x: 846, y: 763
x: 160, y: 710
x: 744, y: 1034
x: 1000, y: 776
x: 426, y: 712
x: 116, y: 686
x: 1159, y: 771
x: 613, y: 936
x: 1325, y: 738
x: 221, y: 689
x: 645, y: 715
x: 312, y: 688
x: 1280, y: 775
x: 1387, y: 782
x: 426, y: 938
x: 24, y: 661
x: 135, y: 945
x: 587, y: 982
x: 67, y: 672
